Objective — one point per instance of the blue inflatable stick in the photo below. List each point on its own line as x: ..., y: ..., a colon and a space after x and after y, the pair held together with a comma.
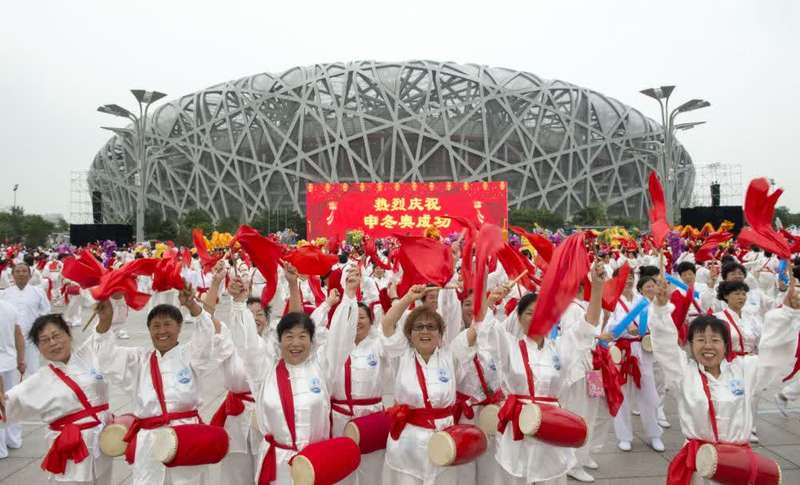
x: 626, y: 321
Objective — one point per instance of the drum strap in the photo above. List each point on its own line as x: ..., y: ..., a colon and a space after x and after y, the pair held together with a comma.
x: 422, y: 385
x: 738, y: 332
x: 481, y: 377
x: 69, y: 444
x: 269, y: 465
x: 712, y: 412
x: 523, y: 349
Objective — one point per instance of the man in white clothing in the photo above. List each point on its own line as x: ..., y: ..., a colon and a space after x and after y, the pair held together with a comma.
x: 12, y: 366
x: 30, y: 303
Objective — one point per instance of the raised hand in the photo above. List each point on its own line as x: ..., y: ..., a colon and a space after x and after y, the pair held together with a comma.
x: 333, y: 297
x: 290, y: 273
x: 353, y: 281
x: 662, y: 291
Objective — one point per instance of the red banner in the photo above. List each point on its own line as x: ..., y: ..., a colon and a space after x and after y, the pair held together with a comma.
x: 386, y: 208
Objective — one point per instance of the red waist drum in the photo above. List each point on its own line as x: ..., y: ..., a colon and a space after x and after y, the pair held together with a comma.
x: 190, y: 444
x: 553, y: 425
x: 730, y: 465
x: 369, y: 432
x: 325, y: 462
x: 457, y: 444
x: 111, y: 438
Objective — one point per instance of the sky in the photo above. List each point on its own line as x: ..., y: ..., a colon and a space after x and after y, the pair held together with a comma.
x: 60, y: 60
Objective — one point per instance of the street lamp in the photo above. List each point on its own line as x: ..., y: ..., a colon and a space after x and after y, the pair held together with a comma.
x: 16, y: 186
x: 144, y: 99
x: 662, y: 95
x: 688, y: 126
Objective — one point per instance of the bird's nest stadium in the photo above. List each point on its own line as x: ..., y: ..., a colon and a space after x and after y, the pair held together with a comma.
x: 245, y: 146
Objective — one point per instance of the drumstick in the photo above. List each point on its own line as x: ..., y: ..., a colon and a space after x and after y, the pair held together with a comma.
x: 513, y: 282
x: 91, y: 319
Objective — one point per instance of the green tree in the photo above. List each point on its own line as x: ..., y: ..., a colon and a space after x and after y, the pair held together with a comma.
x: 195, y: 218
x: 17, y: 227
x: 526, y: 217
x: 228, y: 224
x: 591, y: 215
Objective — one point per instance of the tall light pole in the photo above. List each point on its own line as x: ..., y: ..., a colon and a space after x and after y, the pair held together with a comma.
x: 144, y: 99
x: 669, y: 170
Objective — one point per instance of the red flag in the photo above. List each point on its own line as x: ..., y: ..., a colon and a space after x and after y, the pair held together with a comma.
x: 759, y: 207
x: 85, y: 269
x: 542, y: 245
x: 710, y: 245
x: 310, y: 260
x: 372, y: 253
x: 167, y: 274
x: 123, y: 280
x: 682, y: 304
x: 566, y: 271
x: 515, y: 264
x: 265, y: 254
x: 658, y: 211
x: 186, y: 257
x: 424, y: 261
x: 467, y: 245
x: 613, y: 289
x: 489, y: 243
x: 206, y: 260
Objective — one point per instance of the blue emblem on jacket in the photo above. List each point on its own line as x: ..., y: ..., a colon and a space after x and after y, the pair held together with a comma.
x: 184, y: 375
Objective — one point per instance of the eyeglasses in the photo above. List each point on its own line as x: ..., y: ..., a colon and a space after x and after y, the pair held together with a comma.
x: 54, y: 337
x: 423, y: 327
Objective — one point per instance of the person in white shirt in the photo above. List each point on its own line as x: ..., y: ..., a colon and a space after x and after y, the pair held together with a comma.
x: 12, y: 366
x: 30, y: 303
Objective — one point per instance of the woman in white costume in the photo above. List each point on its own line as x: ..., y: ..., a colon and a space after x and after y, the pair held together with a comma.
x: 536, y: 369
x: 72, y: 397
x: 292, y: 372
x: 715, y: 397
x: 171, y: 398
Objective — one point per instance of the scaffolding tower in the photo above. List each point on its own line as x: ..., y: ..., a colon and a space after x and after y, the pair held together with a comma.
x: 729, y: 178
x: 80, y: 201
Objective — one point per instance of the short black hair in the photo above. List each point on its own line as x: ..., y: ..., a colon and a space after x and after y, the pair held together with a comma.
x: 699, y: 325
x: 165, y: 310
x: 731, y: 266
x: 727, y: 258
x: 368, y: 310
x: 648, y: 270
x: 254, y: 299
x: 642, y: 281
x: 685, y: 266
x: 527, y: 300
x: 38, y: 325
x: 295, y: 319
x: 725, y: 288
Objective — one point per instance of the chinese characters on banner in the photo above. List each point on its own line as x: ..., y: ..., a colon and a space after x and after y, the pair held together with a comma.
x: 385, y: 208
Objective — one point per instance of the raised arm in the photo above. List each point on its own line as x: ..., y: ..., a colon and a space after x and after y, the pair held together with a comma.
x: 342, y: 333
x: 120, y: 364
x: 212, y: 295
x: 206, y: 330
x: 776, y: 351
x: 295, y: 297
x: 391, y: 318
x: 664, y: 335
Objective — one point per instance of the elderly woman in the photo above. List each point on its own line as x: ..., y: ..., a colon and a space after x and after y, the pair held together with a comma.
x: 535, y: 369
x: 715, y: 396
x: 425, y: 378
x: 72, y: 397
x: 293, y: 368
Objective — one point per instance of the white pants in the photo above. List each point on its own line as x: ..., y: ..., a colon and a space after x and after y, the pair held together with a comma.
x: 577, y: 400
x: 104, y: 479
x: 449, y: 476
x: 502, y: 477
x: 10, y: 434
x: 237, y: 469
x: 647, y: 399
x: 481, y: 470
x: 369, y: 471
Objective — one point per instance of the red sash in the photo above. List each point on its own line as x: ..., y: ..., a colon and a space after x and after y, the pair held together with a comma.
x: 738, y: 332
x: 337, y: 404
x: 683, y: 466
x: 630, y: 363
x: 403, y: 414
x: 612, y: 380
x: 155, y: 421
x: 512, y: 407
x: 233, y: 405
x: 269, y: 466
x: 69, y: 444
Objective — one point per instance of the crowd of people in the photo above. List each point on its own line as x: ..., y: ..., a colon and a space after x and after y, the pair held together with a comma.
x: 315, y: 342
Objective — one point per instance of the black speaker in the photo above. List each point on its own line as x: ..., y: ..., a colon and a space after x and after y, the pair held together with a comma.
x: 83, y: 234
x: 97, y: 207
x: 715, y: 195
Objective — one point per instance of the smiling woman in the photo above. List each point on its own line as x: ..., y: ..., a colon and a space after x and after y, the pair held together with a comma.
x: 70, y: 395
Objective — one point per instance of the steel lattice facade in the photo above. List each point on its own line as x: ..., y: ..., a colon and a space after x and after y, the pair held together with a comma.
x: 249, y: 145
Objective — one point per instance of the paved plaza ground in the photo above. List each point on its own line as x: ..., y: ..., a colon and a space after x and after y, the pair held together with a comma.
x: 780, y: 437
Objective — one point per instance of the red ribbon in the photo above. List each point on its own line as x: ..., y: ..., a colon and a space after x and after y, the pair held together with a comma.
x: 269, y: 466
x: 630, y: 363
x: 233, y: 405
x: 402, y: 414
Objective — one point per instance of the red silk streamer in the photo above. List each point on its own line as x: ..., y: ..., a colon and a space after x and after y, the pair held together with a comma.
x: 424, y: 261
x: 186, y: 257
x: 516, y: 264
x: 167, y: 274
x: 123, y: 280
x: 601, y: 360
x: 264, y: 253
x: 568, y: 267
x: 467, y: 245
x: 316, y: 289
x: 759, y: 208
x: 310, y: 260
x: 85, y: 269
x: 489, y: 243
x: 206, y: 260
x: 682, y: 304
x: 710, y: 246
x: 543, y: 246
x: 658, y: 211
x: 614, y: 288
x: 372, y: 253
